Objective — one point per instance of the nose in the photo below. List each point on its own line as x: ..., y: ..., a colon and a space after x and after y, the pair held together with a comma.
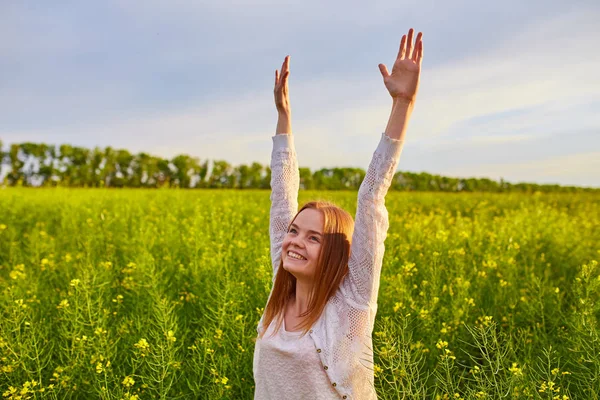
x: 296, y: 242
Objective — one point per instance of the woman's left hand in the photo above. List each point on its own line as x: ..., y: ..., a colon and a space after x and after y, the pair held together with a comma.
x: 403, y: 82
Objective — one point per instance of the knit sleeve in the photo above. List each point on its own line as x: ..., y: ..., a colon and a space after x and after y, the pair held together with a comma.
x: 371, y: 223
x: 285, y: 182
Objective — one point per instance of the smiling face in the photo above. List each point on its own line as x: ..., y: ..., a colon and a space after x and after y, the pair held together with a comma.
x: 302, y: 244
x: 321, y: 233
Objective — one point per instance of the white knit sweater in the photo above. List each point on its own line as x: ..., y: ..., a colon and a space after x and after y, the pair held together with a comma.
x: 285, y: 367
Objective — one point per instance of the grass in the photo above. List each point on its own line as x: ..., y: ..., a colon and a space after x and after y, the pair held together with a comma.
x: 140, y: 294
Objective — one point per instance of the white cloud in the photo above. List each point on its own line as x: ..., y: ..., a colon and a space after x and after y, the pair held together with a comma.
x: 536, y: 82
x: 542, y: 63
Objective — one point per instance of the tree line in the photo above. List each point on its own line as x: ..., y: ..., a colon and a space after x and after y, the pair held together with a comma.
x: 39, y: 164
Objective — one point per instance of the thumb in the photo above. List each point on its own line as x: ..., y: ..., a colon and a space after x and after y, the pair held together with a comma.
x: 384, y: 71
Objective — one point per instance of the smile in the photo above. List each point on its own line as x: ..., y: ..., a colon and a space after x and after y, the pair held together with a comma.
x: 296, y: 256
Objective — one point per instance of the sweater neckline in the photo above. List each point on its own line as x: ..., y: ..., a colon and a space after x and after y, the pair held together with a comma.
x: 292, y: 334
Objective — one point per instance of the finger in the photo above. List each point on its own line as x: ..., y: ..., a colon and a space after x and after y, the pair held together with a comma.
x: 287, y: 63
x: 285, y: 77
x: 409, y: 47
x: 283, y: 65
x: 420, y: 57
x: 417, y: 44
x: 402, y: 49
x: 384, y: 71
x: 276, y: 77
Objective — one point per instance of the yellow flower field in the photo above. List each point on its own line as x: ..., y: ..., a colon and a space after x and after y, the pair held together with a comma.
x: 147, y: 294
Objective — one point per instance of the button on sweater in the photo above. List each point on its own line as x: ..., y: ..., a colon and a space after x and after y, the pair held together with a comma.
x: 342, y: 336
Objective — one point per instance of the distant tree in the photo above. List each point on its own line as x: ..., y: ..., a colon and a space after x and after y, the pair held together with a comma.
x: 165, y: 173
x: 352, y: 177
x: 186, y: 168
x: 241, y: 177
x: 48, y: 159
x: 221, y: 175
x: 150, y: 171
x: 248, y: 177
x: 202, y: 172
x: 39, y: 164
x: 306, y: 179
x: 321, y: 178
x: 124, y: 173
x: 256, y: 172
x: 96, y: 160
x: 81, y: 173
x: 16, y: 175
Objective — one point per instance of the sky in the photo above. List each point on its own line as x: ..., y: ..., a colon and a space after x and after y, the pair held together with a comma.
x: 508, y: 89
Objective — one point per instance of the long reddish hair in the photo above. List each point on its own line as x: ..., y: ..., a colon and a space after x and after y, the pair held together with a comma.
x: 330, y: 270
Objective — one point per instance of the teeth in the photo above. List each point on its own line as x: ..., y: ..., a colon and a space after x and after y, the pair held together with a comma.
x: 296, y: 256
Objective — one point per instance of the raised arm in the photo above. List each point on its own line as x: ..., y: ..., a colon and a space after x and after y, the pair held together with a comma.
x: 285, y: 177
x: 371, y: 222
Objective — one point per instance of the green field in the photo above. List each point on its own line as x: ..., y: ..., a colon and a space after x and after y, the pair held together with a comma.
x: 156, y: 294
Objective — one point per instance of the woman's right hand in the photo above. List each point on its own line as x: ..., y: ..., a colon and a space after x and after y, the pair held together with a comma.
x: 281, y: 91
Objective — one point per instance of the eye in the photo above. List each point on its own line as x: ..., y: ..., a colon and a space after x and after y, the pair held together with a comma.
x: 314, y: 237
x: 292, y: 230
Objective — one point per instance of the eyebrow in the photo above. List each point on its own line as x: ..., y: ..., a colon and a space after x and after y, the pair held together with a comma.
x: 309, y: 231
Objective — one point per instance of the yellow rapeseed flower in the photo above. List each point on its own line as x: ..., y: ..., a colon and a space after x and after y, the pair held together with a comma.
x: 118, y: 299
x: 100, y: 331
x: 171, y: 336
x: 516, y: 370
x: 128, y: 381
x: 63, y: 304
x: 143, y: 345
x: 18, y: 272
x: 397, y: 306
x: 377, y: 369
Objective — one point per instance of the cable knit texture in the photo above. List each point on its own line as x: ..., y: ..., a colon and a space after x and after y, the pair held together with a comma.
x: 342, y: 336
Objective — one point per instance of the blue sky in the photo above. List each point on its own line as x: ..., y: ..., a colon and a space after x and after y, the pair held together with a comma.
x: 508, y: 89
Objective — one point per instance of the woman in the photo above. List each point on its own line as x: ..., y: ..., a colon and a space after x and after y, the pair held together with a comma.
x: 314, y: 337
